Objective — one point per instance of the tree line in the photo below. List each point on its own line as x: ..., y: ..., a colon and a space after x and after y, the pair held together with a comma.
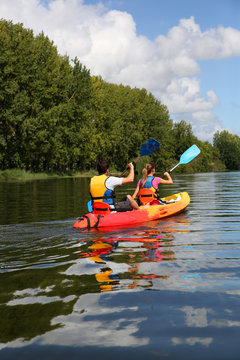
x: 55, y: 116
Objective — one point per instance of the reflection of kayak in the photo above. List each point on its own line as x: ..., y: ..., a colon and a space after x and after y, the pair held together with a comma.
x: 116, y: 219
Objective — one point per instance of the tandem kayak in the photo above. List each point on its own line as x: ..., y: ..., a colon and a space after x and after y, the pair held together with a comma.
x: 116, y: 219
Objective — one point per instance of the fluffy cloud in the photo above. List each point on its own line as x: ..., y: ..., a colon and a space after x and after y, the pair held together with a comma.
x: 183, y: 95
x: 188, y: 39
x: 106, y: 42
x: 204, y: 123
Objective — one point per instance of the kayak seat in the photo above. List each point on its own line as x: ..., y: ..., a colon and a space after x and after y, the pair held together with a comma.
x: 101, y: 208
x: 146, y: 196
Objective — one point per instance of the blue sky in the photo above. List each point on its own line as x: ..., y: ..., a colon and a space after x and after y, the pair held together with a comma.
x: 187, y: 53
x: 153, y: 17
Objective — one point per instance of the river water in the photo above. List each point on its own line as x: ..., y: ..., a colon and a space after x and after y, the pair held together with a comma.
x: 166, y: 289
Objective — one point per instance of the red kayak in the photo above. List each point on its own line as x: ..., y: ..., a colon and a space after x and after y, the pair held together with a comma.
x: 178, y: 202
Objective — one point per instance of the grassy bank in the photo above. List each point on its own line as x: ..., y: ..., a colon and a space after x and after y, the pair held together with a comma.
x: 18, y: 174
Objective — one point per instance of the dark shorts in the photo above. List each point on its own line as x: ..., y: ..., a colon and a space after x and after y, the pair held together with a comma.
x: 123, y: 205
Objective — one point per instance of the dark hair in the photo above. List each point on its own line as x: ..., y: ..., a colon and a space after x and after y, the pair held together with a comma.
x: 146, y: 171
x: 102, y: 166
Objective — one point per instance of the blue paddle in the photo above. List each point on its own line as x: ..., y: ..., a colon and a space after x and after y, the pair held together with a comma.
x: 146, y: 149
x: 187, y: 156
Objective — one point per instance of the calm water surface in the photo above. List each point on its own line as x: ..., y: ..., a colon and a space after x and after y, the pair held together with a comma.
x: 167, y: 289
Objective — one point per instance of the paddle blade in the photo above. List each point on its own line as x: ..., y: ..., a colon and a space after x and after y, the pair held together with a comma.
x: 189, y: 154
x: 149, y: 147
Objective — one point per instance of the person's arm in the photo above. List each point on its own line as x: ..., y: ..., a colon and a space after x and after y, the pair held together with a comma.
x: 130, y: 177
x: 169, y: 179
x: 135, y: 192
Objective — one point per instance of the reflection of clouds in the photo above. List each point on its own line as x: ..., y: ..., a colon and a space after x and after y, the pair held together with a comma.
x: 195, y: 317
x: 15, y: 344
x: 39, y: 300
x: 35, y: 296
x: 88, y: 267
x: 233, y: 292
x: 84, y: 329
x: 225, y: 323
x: 198, y: 317
x: 31, y: 291
x: 192, y: 341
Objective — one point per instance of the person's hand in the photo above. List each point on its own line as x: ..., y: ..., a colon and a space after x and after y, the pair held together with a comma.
x: 131, y: 166
x: 166, y: 174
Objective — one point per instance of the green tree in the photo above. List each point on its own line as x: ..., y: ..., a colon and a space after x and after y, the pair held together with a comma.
x: 44, y: 102
x: 228, y: 146
x: 180, y: 139
x: 123, y: 119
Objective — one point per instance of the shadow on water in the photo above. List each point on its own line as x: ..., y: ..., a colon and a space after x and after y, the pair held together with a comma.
x: 165, y: 289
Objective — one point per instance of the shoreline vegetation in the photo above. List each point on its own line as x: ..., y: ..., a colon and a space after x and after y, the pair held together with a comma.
x: 23, y: 175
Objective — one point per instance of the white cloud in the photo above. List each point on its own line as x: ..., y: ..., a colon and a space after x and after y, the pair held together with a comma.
x: 188, y: 38
x: 204, y: 123
x: 106, y: 42
x: 187, y: 91
x: 184, y: 99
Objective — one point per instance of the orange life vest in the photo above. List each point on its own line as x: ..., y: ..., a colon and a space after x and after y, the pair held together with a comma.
x: 146, y: 196
x: 147, y: 192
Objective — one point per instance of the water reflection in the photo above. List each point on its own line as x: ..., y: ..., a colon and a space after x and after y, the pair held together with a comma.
x: 40, y: 288
x: 65, y: 288
x: 163, y: 289
x: 106, y: 251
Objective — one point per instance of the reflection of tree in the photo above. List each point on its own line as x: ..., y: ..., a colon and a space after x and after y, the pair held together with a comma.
x: 28, y: 321
x: 23, y: 293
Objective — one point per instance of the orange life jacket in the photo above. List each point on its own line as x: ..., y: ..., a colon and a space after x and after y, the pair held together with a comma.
x: 101, y: 208
x: 147, y: 192
x: 146, y: 196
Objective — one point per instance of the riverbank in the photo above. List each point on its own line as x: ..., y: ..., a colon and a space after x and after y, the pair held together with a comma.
x: 23, y: 175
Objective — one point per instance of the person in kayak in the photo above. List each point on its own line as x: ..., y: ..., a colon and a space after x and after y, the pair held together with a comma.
x: 147, y: 187
x: 102, y: 188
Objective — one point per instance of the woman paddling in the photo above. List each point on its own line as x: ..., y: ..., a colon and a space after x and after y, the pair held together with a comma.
x: 147, y: 187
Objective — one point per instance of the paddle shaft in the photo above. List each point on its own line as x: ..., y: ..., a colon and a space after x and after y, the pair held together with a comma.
x: 134, y: 162
x: 173, y: 168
